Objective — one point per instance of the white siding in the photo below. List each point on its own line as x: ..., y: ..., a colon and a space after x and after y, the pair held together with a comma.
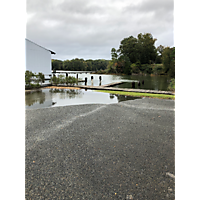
x: 38, y: 59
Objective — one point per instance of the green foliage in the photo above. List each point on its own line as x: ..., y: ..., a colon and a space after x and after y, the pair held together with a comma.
x: 172, y: 85
x: 54, y: 80
x: 111, y: 68
x: 114, y: 54
x: 135, y: 55
x: 28, y: 76
x: 168, y: 59
x: 80, y: 65
x: 57, y: 64
x: 141, y: 48
x: 126, y: 64
x: 158, y: 69
x: 160, y: 49
x: 135, y: 68
x: 158, y: 59
x: 41, y: 77
x: 71, y: 80
x: 142, y: 56
x: 61, y: 79
x: 36, y: 78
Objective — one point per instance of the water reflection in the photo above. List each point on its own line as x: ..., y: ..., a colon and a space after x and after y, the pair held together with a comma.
x: 70, y: 93
x: 123, y: 97
x: 33, y: 97
x: 63, y: 97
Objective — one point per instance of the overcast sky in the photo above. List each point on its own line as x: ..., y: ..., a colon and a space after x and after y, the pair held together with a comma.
x: 89, y: 29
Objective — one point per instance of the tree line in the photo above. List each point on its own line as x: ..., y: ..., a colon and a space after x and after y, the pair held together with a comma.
x: 135, y: 55
x: 80, y: 65
x: 139, y: 55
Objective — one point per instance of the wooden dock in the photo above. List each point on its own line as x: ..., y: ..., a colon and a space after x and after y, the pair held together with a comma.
x: 124, y: 89
x: 112, y: 84
x: 108, y: 87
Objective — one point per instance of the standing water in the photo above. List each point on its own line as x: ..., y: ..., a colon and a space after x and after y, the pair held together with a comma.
x: 45, y: 98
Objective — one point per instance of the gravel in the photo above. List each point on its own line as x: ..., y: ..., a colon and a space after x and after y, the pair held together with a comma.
x: 98, y: 151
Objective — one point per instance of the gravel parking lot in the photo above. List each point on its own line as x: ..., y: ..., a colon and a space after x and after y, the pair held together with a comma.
x: 101, y: 151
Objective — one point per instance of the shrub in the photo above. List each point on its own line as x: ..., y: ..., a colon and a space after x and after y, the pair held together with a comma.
x: 158, y: 69
x: 172, y: 85
x: 31, y: 77
x: 61, y: 79
x: 135, y: 68
x: 28, y: 77
x: 71, y: 80
x: 54, y: 80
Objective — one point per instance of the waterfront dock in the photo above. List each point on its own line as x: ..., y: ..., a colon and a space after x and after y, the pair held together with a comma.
x: 104, y: 87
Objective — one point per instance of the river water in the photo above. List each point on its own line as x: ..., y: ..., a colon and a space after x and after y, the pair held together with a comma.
x: 150, y: 82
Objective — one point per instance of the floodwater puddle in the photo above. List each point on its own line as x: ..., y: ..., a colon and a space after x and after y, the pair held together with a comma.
x: 53, y: 97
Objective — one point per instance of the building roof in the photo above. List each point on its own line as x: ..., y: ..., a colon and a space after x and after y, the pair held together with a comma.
x: 41, y: 46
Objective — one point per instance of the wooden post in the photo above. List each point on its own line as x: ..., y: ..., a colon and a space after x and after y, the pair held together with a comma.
x: 99, y: 80
x: 77, y: 76
x: 66, y: 74
x: 139, y: 83
x: 85, y: 80
x: 133, y: 84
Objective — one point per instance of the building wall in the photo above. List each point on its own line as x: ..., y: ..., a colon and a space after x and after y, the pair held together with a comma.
x: 38, y: 59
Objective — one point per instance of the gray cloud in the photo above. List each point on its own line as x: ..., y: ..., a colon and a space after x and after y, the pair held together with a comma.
x: 90, y: 28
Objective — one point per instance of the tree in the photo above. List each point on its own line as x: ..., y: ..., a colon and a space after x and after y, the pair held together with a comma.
x: 57, y: 65
x: 172, y: 64
x: 135, y: 68
x: 128, y: 48
x: 141, y: 48
x: 146, y: 48
x: 168, y: 60
x: 111, y: 68
x: 160, y: 49
x: 114, y: 54
x: 124, y: 65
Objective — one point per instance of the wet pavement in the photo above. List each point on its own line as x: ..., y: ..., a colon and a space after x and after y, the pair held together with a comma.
x: 101, y: 151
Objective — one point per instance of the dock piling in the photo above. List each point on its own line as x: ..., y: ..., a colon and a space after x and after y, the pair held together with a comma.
x: 142, y: 82
x: 99, y: 80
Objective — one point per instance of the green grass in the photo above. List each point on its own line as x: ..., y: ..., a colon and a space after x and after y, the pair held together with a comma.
x: 137, y: 94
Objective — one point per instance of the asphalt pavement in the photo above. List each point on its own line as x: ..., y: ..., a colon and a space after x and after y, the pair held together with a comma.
x: 101, y: 151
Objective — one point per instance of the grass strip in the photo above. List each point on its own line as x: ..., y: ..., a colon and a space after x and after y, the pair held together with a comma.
x: 137, y: 94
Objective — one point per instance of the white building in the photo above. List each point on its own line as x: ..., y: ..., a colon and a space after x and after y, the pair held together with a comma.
x: 38, y: 59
